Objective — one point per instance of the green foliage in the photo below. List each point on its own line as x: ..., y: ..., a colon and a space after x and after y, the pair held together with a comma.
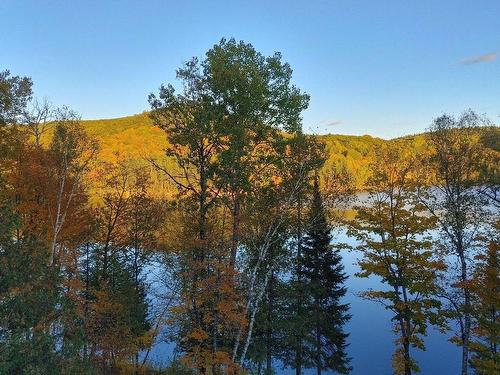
x: 15, y: 92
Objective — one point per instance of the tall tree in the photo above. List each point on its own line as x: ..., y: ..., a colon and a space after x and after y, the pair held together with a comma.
x: 305, y: 155
x: 255, y: 99
x: 189, y: 120
x: 393, y: 230
x: 324, y: 282
x: 457, y: 205
x: 225, y: 133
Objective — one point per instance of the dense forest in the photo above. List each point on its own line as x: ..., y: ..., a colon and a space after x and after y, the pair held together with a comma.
x: 218, y: 189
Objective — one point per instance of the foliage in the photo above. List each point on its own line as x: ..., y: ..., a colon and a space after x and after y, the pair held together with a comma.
x: 455, y: 164
x: 393, y: 230
x: 485, y: 288
x: 214, y: 184
x: 15, y: 92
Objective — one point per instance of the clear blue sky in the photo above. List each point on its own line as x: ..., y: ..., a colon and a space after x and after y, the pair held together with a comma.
x: 384, y: 68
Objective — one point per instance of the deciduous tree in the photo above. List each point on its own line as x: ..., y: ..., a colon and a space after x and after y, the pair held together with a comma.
x: 485, y: 289
x: 456, y: 203
x: 394, y: 232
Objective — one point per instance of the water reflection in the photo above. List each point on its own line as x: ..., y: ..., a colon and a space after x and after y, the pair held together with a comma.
x: 371, y: 337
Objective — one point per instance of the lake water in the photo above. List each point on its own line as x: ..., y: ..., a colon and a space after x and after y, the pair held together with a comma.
x: 371, y: 338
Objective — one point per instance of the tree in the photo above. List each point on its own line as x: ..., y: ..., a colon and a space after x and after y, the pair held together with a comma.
x: 225, y: 133
x: 189, y: 121
x: 40, y: 325
x: 393, y: 230
x: 37, y: 118
x: 324, y: 282
x: 15, y: 93
x: 117, y: 308
x: 304, y: 155
x: 28, y: 296
x: 255, y: 100
x: 71, y: 153
x: 457, y: 205
x: 485, y: 290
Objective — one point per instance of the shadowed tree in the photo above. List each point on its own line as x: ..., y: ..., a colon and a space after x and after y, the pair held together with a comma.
x: 324, y: 276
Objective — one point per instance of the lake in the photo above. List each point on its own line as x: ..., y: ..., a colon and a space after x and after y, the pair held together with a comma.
x: 371, y: 337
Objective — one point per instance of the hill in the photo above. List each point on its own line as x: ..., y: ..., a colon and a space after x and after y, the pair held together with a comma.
x: 136, y: 137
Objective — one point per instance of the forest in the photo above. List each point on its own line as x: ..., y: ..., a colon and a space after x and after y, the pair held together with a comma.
x: 219, y: 192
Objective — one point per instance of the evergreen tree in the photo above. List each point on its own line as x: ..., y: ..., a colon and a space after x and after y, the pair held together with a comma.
x: 324, y: 275
x: 305, y: 156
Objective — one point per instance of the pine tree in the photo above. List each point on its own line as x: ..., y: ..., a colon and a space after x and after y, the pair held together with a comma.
x: 324, y: 275
x: 305, y: 155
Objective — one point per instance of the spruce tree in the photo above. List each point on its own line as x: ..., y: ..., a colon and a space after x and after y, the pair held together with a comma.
x: 326, y: 342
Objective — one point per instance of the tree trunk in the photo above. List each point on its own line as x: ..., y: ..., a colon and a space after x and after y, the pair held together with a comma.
x: 298, y: 359
x: 406, y: 346
x: 269, y: 339
x: 236, y: 228
x: 318, y: 339
x: 298, y: 355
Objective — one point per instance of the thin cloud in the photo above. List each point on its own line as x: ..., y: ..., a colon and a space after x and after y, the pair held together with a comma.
x: 333, y: 122
x: 489, y: 57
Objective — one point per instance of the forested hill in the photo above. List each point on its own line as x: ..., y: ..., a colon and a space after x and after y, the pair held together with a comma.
x: 136, y: 137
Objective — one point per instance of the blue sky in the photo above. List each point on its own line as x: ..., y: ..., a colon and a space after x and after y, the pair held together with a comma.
x: 384, y: 68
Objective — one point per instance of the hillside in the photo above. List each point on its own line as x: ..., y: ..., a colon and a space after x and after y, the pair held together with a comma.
x: 128, y: 137
x: 136, y: 137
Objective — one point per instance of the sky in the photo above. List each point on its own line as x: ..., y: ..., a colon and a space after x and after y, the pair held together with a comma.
x: 384, y: 68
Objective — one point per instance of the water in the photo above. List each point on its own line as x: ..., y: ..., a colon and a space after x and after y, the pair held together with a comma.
x: 371, y: 337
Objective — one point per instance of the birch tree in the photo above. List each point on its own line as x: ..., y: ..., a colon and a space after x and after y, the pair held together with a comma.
x: 72, y: 152
x: 458, y: 206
